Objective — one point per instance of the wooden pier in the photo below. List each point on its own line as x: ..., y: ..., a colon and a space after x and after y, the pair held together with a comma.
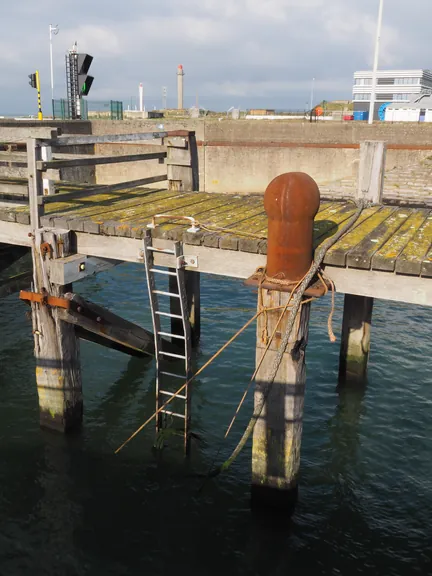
x: 75, y: 230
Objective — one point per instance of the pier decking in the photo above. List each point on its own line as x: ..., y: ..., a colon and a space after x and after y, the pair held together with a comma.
x: 395, y: 242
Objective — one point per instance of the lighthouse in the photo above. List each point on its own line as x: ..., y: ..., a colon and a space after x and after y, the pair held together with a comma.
x: 180, y: 74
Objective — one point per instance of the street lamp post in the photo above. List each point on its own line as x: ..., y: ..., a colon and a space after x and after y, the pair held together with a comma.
x: 376, y: 61
x: 312, y: 94
x: 52, y: 30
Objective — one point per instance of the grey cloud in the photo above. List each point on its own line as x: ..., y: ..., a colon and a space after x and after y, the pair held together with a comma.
x: 262, y: 52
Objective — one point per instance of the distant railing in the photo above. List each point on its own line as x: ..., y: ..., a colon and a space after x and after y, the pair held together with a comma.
x: 42, y: 168
x: 90, y: 110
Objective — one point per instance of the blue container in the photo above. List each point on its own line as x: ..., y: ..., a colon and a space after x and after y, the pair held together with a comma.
x: 361, y: 115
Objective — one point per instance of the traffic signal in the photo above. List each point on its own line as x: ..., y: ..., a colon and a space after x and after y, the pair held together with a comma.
x: 33, y: 81
x: 84, y: 80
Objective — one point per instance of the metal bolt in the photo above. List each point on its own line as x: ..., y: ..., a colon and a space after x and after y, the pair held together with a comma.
x: 79, y: 309
x: 98, y: 319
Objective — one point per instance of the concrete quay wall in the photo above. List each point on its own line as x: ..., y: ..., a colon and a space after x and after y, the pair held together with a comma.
x: 244, y: 156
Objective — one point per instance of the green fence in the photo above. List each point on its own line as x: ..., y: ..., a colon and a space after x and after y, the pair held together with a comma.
x: 108, y: 110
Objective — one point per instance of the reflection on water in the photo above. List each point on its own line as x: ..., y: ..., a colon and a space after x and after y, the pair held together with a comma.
x: 69, y: 506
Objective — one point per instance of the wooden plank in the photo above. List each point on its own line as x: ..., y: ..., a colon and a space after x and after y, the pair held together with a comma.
x: 411, y: 259
x: 242, y: 265
x: 18, y: 133
x: 327, y: 223
x: 385, y: 258
x: 361, y: 256
x: 122, y: 222
x: 203, y: 212
x: 206, y: 219
x: 107, y: 139
x: 99, y: 160
x: 103, y: 203
x: 108, y: 326
x: 426, y: 270
x: 111, y: 188
x: 368, y: 221
x: 179, y: 157
x: 17, y: 234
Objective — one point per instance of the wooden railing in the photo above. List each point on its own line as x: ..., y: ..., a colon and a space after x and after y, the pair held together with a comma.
x: 32, y: 168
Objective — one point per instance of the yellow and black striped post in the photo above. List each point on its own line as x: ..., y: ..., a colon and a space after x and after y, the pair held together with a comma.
x: 40, y: 115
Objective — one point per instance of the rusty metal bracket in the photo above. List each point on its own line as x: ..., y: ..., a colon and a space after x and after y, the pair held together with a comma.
x: 46, y: 249
x: 44, y: 299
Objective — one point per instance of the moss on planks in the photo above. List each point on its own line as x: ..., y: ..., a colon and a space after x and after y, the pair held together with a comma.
x: 361, y: 256
x: 386, y: 256
x: 411, y: 259
x: 369, y: 219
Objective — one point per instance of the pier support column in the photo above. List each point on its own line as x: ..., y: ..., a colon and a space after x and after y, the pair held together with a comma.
x: 355, y: 345
x: 291, y: 202
x: 278, y: 432
x: 58, y: 369
x: 193, y: 292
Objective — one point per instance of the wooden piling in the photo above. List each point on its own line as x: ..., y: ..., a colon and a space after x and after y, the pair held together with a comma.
x: 58, y: 369
x: 357, y: 316
x: 193, y: 291
x: 278, y: 432
x: 291, y: 202
x: 57, y: 351
x: 356, y: 334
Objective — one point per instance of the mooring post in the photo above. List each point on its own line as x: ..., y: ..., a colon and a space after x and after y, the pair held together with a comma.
x: 355, y: 344
x: 291, y: 202
x: 357, y: 316
x: 193, y: 291
x: 58, y: 370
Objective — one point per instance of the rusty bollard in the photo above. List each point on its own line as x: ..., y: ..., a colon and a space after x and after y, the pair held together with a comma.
x: 291, y: 202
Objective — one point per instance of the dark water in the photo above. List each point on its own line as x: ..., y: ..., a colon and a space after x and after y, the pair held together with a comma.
x: 68, y: 506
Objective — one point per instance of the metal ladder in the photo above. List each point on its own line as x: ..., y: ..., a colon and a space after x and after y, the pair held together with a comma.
x: 163, y: 357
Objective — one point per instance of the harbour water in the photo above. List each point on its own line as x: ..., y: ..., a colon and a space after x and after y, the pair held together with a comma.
x: 69, y: 506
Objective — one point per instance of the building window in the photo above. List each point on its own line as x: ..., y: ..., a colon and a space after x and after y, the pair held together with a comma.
x: 363, y: 81
x: 407, y: 81
x: 402, y: 97
x: 361, y: 96
x: 385, y: 81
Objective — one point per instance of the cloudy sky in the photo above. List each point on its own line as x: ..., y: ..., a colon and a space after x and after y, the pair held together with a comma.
x: 235, y: 52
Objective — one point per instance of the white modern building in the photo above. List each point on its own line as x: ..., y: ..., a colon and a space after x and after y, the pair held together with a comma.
x: 418, y: 110
x: 392, y: 86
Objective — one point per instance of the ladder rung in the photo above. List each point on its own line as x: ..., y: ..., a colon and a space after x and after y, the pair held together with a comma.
x: 173, y: 375
x: 172, y: 394
x: 160, y: 250
x: 172, y: 355
x: 171, y: 335
x: 166, y: 293
x: 168, y: 315
x: 173, y: 414
x: 165, y: 272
